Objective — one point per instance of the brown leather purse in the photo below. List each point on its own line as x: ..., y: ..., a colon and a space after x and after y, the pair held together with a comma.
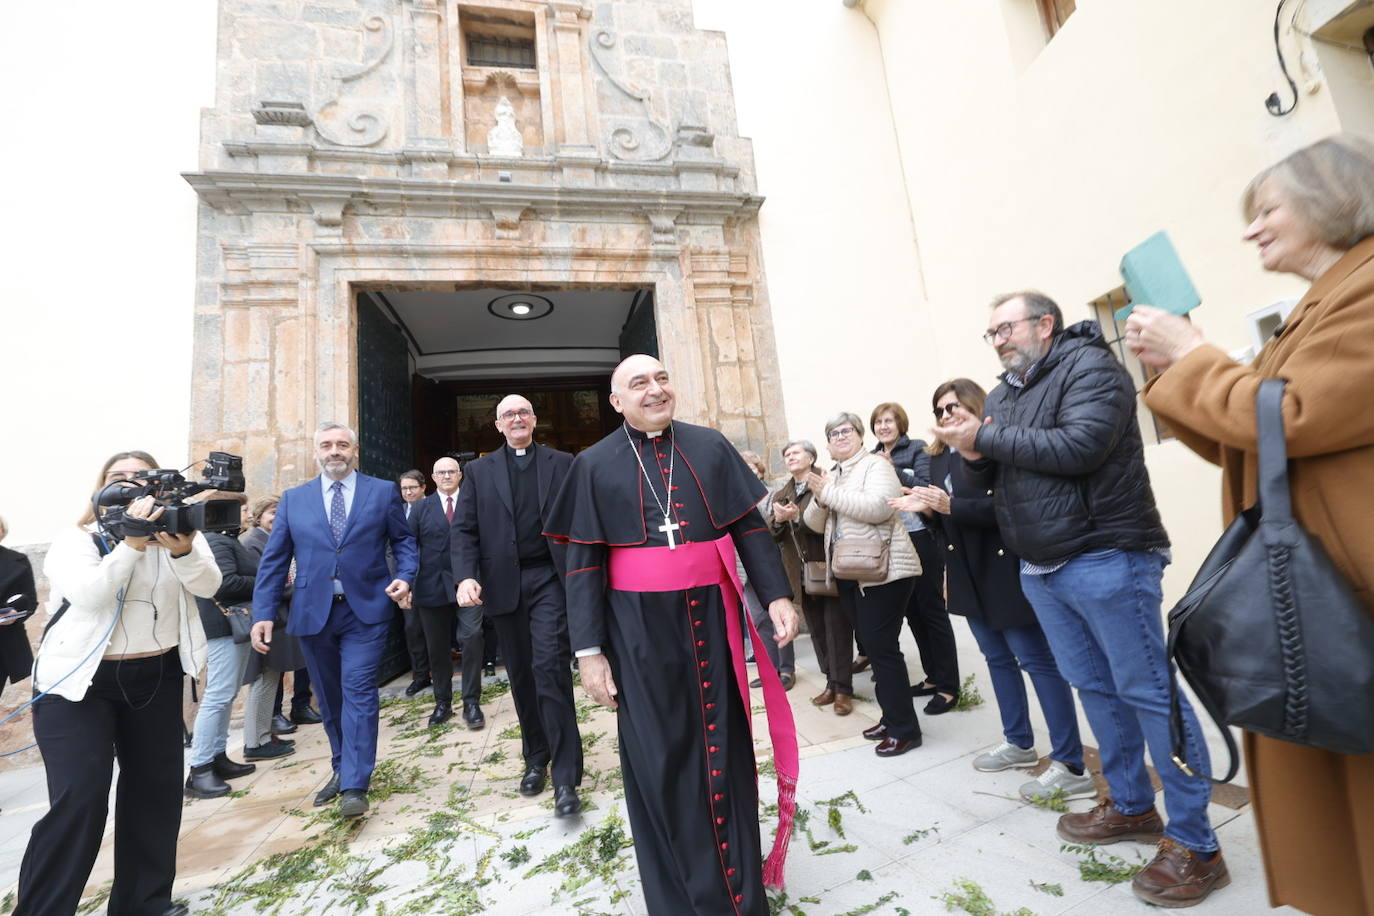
x: 860, y: 559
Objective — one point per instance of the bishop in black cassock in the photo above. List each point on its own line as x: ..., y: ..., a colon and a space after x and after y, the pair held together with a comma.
x: 686, y: 749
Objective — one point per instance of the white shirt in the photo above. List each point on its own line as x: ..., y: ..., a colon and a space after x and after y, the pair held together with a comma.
x: 350, y: 484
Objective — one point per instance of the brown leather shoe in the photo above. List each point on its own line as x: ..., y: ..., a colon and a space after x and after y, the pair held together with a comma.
x: 1105, y: 825
x: 824, y: 698
x: 875, y: 732
x: 1179, y: 877
x: 844, y: 704
x: 893, y: 747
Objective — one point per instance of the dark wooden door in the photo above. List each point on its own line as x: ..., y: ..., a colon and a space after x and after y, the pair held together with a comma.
x: 384, y: 429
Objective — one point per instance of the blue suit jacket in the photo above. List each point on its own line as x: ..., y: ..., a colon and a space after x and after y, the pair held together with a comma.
x: 301, y: 530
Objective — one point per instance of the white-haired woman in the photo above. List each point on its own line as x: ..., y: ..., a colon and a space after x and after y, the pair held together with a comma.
x: 852, y: 502
x: 1312, y: 215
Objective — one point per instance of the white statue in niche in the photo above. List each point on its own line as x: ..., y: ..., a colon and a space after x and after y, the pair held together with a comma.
x: 504, y: 139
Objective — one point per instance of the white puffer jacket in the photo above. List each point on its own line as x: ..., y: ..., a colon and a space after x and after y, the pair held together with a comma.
x: 854, y: 504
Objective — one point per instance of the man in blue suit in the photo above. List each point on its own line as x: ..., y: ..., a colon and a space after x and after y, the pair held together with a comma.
x: 336, y: 528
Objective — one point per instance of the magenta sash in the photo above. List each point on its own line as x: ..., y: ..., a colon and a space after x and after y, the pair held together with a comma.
x: 703, y: 563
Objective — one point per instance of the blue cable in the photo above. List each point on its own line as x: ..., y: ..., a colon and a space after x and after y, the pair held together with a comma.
x: 119, y: 611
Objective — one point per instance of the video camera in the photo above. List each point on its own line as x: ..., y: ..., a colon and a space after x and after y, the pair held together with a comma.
x: 222, y: 472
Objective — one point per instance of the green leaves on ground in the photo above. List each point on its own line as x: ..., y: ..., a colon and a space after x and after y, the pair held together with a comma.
x: 969, y: 896
x: 1096, y: 865
x: 969, y: 697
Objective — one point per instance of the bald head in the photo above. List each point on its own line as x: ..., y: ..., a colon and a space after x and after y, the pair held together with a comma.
x: 447, y: 476
x: 515, y: 420
x: 642, y: 391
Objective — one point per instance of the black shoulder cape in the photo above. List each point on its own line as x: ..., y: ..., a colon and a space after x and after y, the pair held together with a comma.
x: 602, y: 499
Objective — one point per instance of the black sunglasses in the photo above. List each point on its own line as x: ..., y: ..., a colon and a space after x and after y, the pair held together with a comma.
x: 947, y: 410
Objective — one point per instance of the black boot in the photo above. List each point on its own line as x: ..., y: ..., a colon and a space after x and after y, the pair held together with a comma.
x: 230, y: 769
x: 204, y: 783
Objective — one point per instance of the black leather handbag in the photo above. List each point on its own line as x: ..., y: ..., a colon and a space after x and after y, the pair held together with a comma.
x: 1269, y: 635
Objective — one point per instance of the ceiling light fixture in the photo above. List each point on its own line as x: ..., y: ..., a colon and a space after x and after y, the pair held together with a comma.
x: 520, y: 306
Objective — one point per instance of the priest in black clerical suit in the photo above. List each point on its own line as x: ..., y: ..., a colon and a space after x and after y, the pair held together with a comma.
x: 502, y: 561
x: 657, y: 645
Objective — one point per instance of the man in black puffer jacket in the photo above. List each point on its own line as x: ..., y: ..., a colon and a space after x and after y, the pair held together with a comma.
x: 1061, y: 451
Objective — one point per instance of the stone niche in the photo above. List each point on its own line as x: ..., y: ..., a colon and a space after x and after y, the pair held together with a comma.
x: 501, y: 52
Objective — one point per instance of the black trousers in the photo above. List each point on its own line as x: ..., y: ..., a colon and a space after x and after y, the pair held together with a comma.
x: 437, y: 624
x: 928, y: 617
x: 132, y: 711
x: 538, y: 655
x: 832, y: 638
x: 877, y: 614
x: 416, y: 644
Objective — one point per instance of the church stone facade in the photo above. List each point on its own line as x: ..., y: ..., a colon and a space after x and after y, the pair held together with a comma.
x: 440, y: 145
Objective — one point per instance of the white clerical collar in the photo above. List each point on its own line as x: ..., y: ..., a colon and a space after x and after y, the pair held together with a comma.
x: 653, y: 435
x: 520, y: 451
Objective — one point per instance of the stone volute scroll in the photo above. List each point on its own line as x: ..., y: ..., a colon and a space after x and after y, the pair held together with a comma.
x: 360, y: 126
x: 504, y: 139
x: 640, y: 138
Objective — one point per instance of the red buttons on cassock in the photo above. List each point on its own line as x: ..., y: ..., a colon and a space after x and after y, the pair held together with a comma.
x: 720, y: 820
x: 696, y: 623
x: 706, y: 683
x: 714, y: 749
x: 730, y: 872
x: 716, y: 772
x: 711, y: 727
x: 710, y: 705
x: 724, y: 845
x: 673, y: 487
x: 718, y: 796
x: 693, y: 603
x: 678, y: 505
x: 701, y: 642
x: 739, y: 898
x: 704, y: 664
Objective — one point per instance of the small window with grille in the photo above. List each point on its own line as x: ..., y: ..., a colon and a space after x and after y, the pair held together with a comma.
x: 1104, y: 310
x: 499, y: 51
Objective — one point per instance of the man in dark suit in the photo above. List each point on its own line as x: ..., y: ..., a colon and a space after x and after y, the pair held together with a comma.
x: 504, y: 563
x: 432, y: 598
x: 337, y: 528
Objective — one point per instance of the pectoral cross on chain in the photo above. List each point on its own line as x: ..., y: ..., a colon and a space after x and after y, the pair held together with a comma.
x: 668, y: 527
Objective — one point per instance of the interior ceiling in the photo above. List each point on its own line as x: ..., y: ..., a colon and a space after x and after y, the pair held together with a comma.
x: 453, y: 335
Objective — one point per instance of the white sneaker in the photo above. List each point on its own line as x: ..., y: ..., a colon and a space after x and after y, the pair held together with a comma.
x: 1005, y: 756
x: 1057, y: 779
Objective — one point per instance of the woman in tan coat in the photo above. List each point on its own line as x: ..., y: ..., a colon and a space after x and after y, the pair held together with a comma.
x: 1312, y: 215
x: 851, y: 502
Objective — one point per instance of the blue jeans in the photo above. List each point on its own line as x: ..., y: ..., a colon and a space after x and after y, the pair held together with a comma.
x: 1008, y: 652
x: 223, y: 676
x: 1101, y: 614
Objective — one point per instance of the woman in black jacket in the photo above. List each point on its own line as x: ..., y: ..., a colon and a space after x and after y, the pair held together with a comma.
x: 210, y: 765
x: 926, y: 613
x: 16, y: 580
x: 985, y: 588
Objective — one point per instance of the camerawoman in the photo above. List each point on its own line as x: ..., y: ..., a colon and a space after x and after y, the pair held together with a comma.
x: 109, y: 675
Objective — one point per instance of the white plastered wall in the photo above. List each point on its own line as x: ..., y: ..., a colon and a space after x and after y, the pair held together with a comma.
x: 102, y: 107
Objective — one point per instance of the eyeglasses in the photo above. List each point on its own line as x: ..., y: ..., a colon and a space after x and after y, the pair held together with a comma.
x: 842, y: 432
x: 1003, y: 330
x: 444, y: 473
x: 946, y: 410
x: 523, y: 413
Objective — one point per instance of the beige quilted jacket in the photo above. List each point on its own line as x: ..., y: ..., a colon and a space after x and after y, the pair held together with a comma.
x: 855, y: 505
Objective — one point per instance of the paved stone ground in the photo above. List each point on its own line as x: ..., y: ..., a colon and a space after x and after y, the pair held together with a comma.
x: 447, y: 833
